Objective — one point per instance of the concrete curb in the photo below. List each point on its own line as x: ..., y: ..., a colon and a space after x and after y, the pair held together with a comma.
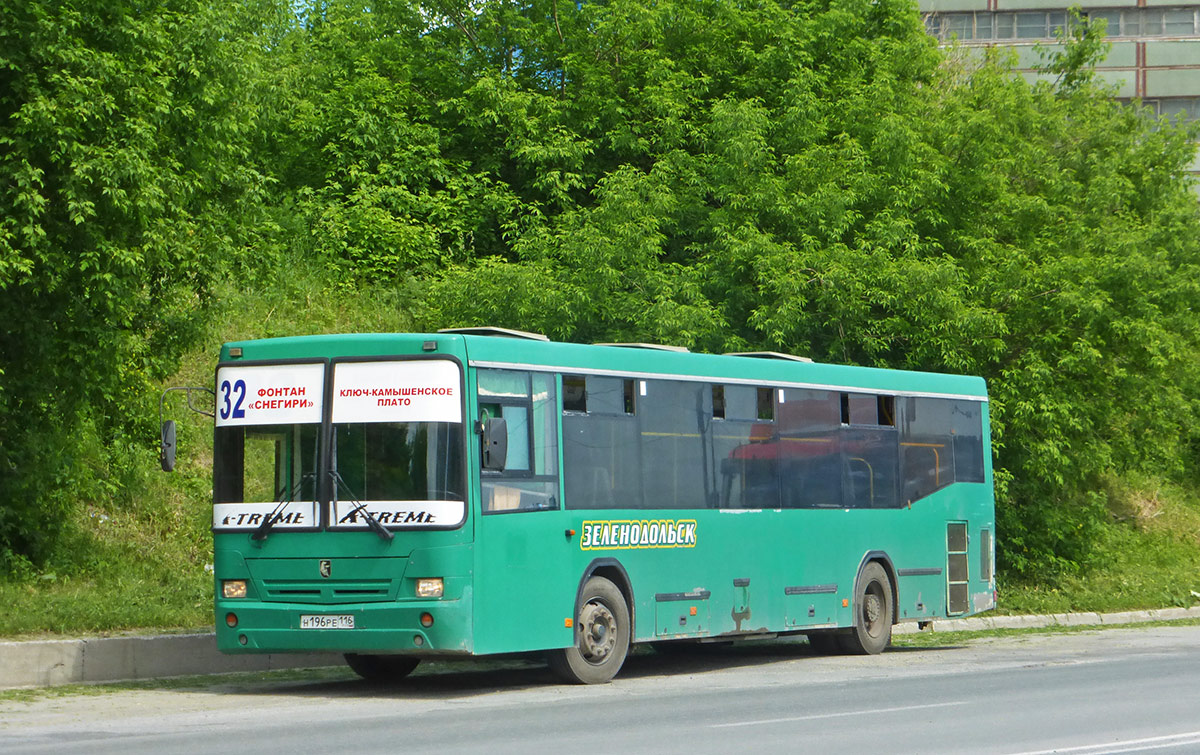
x: 1054, y: 619
x: 44, y: 663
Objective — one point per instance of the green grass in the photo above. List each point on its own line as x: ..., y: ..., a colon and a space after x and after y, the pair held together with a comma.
x: 1149, y: 557
x: 137, y: 560
x: 137, y: 557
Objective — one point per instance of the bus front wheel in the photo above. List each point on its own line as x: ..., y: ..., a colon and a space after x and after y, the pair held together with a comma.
x: 875, y: 606
x: 601, y: 636
x: 381, y: 668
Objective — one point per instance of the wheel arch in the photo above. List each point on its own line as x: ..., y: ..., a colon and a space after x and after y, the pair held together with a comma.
x: 885, y: 561
x: 612, y: 570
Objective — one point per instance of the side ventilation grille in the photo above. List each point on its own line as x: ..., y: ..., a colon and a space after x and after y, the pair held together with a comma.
x: 985, y: 555
x: 956, y: 562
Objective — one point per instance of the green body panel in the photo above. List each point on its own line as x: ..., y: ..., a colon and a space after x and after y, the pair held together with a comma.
x: 511, y: 578
x: 526, y: 582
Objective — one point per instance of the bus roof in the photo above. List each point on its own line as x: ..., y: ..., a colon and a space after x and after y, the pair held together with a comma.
x: 633, y: 360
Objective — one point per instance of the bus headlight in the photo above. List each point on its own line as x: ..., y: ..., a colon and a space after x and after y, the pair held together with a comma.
x: 233, y: 588
x: 430, y: 587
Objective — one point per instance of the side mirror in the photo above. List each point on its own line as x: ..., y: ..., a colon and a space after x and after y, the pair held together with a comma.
x: 166, y: 450
x: 495, y: 444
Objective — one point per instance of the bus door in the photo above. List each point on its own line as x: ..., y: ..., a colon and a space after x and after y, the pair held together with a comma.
x: 524, y: 592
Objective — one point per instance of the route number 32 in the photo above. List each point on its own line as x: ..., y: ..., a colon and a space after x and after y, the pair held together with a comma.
x: 233, y: 408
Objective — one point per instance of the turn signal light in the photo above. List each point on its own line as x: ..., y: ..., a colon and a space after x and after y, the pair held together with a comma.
x: 426, y: 620
x: 430, y: 588
x: 233, y: 588
x: 231, y: 620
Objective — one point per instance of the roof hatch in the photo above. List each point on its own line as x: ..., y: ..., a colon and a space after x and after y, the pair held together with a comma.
x: 653, y: 346
x: 768, y: 355
x: 488, y: 330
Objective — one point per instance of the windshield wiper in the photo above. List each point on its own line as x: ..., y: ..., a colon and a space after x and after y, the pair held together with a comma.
x: 359, y: 508
x: 285, y: 497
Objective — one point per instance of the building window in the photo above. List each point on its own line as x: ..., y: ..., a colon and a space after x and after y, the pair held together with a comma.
x: 1046, y: 25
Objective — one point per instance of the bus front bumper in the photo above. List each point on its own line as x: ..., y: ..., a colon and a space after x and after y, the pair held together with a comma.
x: 250, y: 626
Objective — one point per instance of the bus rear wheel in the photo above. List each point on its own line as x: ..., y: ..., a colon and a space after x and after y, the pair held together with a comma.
x: 875, y: 606
x: 601, y: 636
x: 381, y: 668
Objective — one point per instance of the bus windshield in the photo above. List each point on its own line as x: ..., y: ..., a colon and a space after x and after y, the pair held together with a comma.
x: 266, y: 448
x: 398, y: 446
x: 400, y: 461
x: 261, y: 463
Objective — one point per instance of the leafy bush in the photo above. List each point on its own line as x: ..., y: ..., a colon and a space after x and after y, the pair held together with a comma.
x: 815, y: 178
x: 124, y: 153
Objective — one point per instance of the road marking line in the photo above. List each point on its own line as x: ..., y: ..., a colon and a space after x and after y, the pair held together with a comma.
x: 1128, y: 745
x: 833, y: 715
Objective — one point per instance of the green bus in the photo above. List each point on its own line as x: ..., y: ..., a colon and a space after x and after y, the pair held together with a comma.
x: 395, y: 497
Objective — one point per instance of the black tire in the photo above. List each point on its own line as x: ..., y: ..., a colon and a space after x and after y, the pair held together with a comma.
x: 824, y: 643
x: 601, y: 636
x: 874, y: 607
x: 381, y: 668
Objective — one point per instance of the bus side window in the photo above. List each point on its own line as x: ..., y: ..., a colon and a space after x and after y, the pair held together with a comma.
x: 926, y: 446
x: 676, y: 467
x: 810, y: 449
x: 516, y: 418
x: 718, y: 402
x: 740, y: 402
x: 527, y: 403
x: 601, y: 448
x: 745, y: 449
x: 870, y: 455
x: 574, y: 393
x: 966, y: 425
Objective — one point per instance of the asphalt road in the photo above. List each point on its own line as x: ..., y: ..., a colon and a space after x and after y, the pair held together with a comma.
x: 1111, y: 691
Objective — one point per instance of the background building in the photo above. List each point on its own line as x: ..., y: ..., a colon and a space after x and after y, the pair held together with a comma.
x: 1155, y: 45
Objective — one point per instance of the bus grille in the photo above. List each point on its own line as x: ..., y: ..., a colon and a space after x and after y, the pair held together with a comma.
x: 328, y: 591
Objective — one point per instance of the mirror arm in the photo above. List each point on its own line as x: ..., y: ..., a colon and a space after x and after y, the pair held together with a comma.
x: 169, y: 463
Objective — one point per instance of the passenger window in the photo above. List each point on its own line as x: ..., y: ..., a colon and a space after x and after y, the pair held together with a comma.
x: 740, y: 402
x: 527, y: 403
x: 766, y: 404
x: 607, y: 395
x: 859, y: 409
x: 810, y: 449
x: 516, y: 419
x: 675, y: 463
x: 966, y: 425
x: 718, y: 402
x: 926, y: 447
x: 574, y: 393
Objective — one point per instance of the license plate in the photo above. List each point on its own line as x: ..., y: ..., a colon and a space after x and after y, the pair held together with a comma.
x: 336, y: 621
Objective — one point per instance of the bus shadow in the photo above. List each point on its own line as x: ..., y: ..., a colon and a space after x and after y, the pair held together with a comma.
x: 433, y: 681
x: 693, y: 659
x: 447, y: 680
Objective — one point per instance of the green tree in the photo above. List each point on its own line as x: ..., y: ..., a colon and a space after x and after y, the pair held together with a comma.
x: 821, y: 179
x: 124, y: 181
